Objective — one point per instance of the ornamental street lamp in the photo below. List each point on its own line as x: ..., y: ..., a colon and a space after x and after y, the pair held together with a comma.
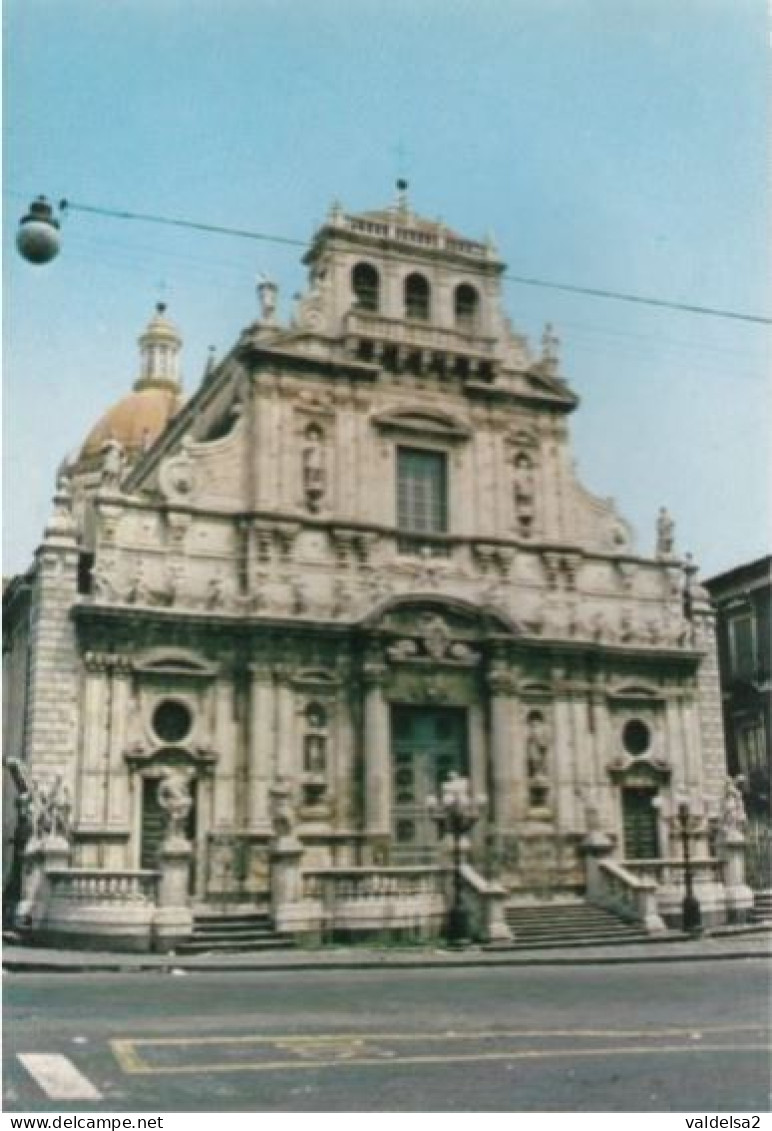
x: 687, y: 824
x: 456, y: 812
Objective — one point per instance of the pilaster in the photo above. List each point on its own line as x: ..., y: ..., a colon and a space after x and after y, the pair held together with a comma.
x: 376, y: 751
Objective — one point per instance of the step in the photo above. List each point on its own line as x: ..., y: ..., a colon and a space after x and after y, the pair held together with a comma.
x: 230, y: 946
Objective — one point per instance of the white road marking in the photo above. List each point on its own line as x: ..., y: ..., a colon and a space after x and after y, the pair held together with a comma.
x: 58, y: 1076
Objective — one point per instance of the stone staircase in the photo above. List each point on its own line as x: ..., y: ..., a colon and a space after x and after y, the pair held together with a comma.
x: 568, y: 924
x: 761, y: 912
x: 226, y: 933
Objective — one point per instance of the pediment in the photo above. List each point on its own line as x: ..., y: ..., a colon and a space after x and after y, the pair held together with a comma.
x: 420, y: 422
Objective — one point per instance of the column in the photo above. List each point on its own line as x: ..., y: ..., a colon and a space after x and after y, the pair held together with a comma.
x: 502, y: 803
x: 260, y: 749
x: 226, y: 744
x: 93, y: 737
x: 377, y: 758
x: 117, y: 784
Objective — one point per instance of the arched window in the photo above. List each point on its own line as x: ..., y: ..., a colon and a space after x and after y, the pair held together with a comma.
x: 366, y: 285
x: 417, y: 303
x: 467, y: 307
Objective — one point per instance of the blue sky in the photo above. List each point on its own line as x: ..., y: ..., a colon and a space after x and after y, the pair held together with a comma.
x: 620, y: 144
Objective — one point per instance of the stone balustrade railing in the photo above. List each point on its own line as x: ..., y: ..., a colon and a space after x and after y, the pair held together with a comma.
x: 669, y: 872
x: 485, y: 903
x: 397, y: 229
x: 86, y: 885
x: 615, y: 887
x: 345, y: 885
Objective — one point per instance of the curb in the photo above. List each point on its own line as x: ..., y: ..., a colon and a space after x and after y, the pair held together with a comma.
x: 102, y: 967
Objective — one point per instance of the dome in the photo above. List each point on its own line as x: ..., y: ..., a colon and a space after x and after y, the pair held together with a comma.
x: 135, y: 422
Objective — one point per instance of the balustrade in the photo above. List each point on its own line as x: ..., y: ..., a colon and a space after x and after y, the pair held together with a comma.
x: 343, y: 885
x: 86, y: 885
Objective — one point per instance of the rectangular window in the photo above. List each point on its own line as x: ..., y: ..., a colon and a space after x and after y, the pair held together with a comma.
x: 422, y: 502
x: 742, y: 645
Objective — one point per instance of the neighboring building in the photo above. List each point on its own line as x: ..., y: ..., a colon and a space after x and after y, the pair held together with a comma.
x: 743, y: 600
x: 275, y: 619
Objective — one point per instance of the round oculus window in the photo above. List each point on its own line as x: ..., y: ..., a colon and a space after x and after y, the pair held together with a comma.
x: 172, y: 720
x: 636, y: 737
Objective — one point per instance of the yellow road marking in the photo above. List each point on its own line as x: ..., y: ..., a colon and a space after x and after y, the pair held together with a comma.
x: 447, y: 1034
x: 132, y: 1064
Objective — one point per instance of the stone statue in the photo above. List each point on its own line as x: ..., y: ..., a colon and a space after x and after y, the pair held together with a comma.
x: 58, y: 810
x: 175, y: 799
x: 314, y: 471
x: 537, y: 743
x: 283, y: 816
x: 267, y: 293
x: 733, y: 817
x: 113, y: 463
x: 665, y: 534
x: 524, y: 490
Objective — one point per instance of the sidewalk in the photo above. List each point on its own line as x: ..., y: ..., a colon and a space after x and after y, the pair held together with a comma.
x: 678, y: 948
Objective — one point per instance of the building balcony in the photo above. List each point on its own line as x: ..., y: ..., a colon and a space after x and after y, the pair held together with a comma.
x: 405, y: 343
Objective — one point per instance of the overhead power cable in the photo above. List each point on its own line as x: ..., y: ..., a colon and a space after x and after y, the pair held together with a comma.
x: 266, y: 237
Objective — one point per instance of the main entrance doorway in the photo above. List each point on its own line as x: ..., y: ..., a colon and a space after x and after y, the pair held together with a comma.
x: 641, y: 824
x: 427, y: 745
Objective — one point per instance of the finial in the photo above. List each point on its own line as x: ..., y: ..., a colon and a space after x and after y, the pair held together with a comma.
x: 211, y: 360
x: 550, y: 346
x: 402, y: 200
x: 160, y: 307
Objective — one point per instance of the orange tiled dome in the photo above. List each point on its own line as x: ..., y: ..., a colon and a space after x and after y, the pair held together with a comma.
x: 135, y: 421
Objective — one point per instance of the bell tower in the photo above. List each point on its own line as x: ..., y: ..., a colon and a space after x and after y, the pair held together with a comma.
x: 397, y: 287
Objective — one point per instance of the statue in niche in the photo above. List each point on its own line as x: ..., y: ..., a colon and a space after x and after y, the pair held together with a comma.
x: 665, y: 534
x: 113, y: 463
x: 314, y: 470
x: 175, y: 799
x: 537, y: 745
x: 524, y: 490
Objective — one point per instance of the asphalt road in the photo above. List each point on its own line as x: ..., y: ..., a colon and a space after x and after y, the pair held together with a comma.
x: 660, y: 1037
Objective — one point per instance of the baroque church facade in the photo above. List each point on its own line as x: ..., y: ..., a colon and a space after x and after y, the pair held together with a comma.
x: 354, y: 564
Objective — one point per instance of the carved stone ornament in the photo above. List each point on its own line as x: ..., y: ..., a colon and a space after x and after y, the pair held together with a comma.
x: 177, y: 476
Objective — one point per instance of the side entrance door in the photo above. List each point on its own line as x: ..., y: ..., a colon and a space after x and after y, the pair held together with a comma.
x: 641, y: 824
x: 427, y: 745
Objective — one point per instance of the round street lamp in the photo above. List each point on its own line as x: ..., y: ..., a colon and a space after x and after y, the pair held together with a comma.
x: 687, y: 824
x: 456, y: 812
x: 38, y: 239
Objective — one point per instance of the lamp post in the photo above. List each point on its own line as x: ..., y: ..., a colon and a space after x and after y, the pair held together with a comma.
x: 456, y: 812
x: 690, y: 907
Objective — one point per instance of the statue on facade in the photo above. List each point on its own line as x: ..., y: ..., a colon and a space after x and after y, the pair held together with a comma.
x: 267, y: 293
x: 113, y: 463
x: 665, y: 534
x: 537, y: 746
x: 175, y: 799
x: 283, y: 815
x: 733, y: 816
x: 524, y: 489
x: 58, y: 810
x: 314, y: 469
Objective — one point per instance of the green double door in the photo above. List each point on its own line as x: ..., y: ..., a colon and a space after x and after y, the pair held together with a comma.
x: 641, y: 824
x: 427, y: 745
